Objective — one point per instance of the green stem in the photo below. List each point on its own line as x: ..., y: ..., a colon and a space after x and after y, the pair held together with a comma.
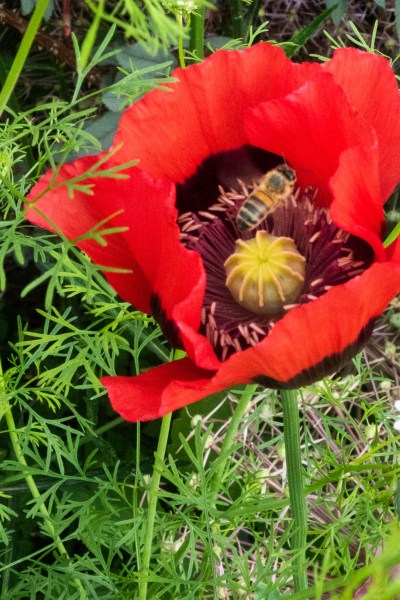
x: 233, y: 427
x: 151, y: 511
x: 22, y: 53
x: 181, y: 53
x: 237, y: 18
x: 13, y: 102
x: 15, y: 442
x: 110, y: 425
x: 298, y: 504
x: 196, y: 43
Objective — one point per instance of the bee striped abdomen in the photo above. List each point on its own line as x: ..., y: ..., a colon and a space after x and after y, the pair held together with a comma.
x: 253, y: 210
x: 273, y: 189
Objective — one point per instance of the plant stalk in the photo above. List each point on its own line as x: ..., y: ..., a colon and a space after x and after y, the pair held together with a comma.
x: 181, y: 51
x: 22, y: 53
x: 151, y: 511
x: 196, y: 43
x: 298, y: 504
x: 237, y: 18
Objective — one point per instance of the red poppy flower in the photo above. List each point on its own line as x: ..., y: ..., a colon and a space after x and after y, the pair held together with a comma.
x: 203, y: 147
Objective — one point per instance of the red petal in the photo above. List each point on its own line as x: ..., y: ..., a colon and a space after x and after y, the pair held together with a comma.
x: 310, y: 129
x: 158, y: 391
x: 306, y: 337
x: 160, y: 266
x: 357, y: 203
x: 371, y: 88
x: 172, y: 132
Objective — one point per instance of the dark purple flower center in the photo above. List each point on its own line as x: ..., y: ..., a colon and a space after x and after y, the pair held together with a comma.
x: 333, y: 256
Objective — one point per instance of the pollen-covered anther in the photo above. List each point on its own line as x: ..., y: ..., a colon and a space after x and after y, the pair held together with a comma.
x: 265, y: 273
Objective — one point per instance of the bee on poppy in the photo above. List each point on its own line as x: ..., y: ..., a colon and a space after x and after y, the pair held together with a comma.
x: 274, y: 188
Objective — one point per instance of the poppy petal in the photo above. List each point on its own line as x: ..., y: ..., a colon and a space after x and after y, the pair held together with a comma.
x: 160, y: 390
x: 202, y: 114
x: 164, y: 278
x: 371, y: 88
x: 287, y: 358
x: 75, y: 216
x: 357, y: 204
x: 310, y: 128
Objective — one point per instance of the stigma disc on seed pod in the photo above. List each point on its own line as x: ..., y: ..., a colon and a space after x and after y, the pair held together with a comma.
x: 265, y: 273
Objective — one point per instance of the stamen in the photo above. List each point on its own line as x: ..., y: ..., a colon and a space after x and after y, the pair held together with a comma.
x: 257, y: 329
x: 187, y: 225
x: 332, y: 257
x: 316, y: 282
x: 211, y: 320
x: 207, y: 215
x: 354, y: 272
x: 341, y: 237
x: 193, y: 227
x: 314, y: 237
x: 237, y: 345
x: 215, y: 337
x: 254, y: 339
x: 183, y: 217
x: 345, y: 261
x: 242, y: 329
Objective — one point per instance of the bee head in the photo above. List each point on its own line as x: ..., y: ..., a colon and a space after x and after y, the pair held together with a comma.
x: 287, y: 172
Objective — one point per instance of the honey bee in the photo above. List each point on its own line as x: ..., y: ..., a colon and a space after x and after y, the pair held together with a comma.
x: 273, y: 189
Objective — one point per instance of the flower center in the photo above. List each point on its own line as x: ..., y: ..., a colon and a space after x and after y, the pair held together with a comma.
x: 293, y: 256
x: 265, y: 273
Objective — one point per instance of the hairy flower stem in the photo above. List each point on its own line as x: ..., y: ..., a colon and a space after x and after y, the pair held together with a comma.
x: 22, y: 53
x: 16, y: 445
x: 196, y: 44
x: 233, y: 427
x: 151, y: 511
x: 291, y: 424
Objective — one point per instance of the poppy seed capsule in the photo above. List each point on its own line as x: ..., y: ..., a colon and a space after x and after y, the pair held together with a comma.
x: 265, y: 273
